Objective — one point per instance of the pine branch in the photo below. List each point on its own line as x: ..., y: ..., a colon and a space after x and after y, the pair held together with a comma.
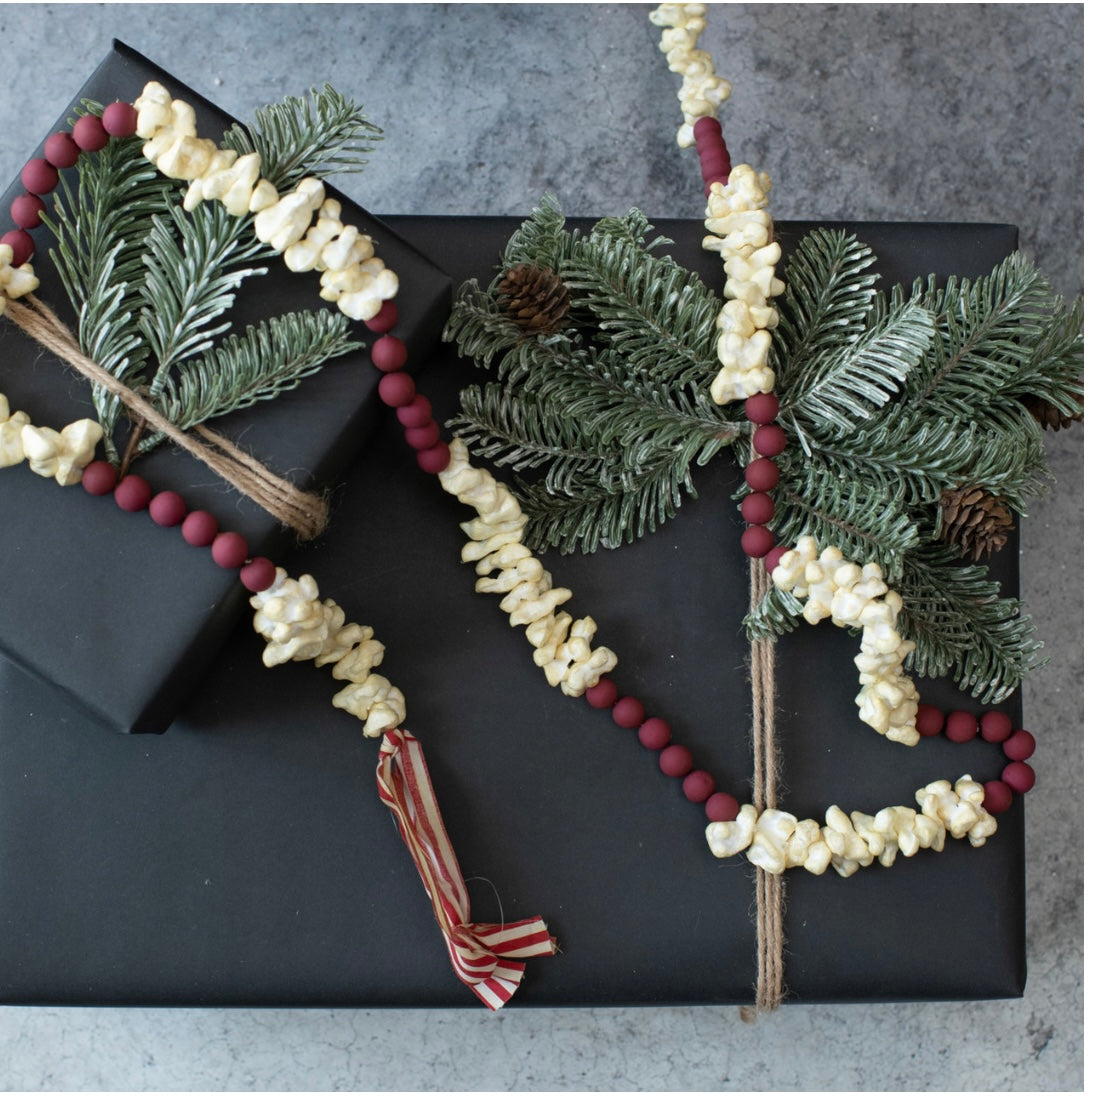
x: 828, y: 298
x: 195, y: 263
x: 541, y: 240
x: 842, y: 388
x: 321, y: 135
x: 100, y: 227
x: 960, y: 624
x: 269, y: 359
x: 777, y: 613
x: 649, y: 308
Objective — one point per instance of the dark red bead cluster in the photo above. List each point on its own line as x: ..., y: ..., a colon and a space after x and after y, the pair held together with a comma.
x: 712, y: 151
x: 761, y: 476
x: 42, y: 174
x: 133, y: 493
x: 674, y: 759
x: 994, y: 727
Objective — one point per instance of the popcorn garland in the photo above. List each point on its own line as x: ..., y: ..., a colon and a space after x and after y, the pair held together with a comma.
x: 298, y: 626
x: 856, y: 597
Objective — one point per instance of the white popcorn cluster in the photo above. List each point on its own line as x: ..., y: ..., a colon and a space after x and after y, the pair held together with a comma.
x: 702, y: 91
x: 353, y: 277
x: 15, y: 282
x: 776, y: 841
x: 738, y: 218
x: 562, y: 646
x: 62, y: 454
x: 856, y: 597
x: 297, y: 626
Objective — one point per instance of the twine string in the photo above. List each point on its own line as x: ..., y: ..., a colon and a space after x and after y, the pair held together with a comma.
x: 769, y: 886
x: 304, y: 512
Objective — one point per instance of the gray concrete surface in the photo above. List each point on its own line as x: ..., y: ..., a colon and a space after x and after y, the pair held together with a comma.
x: 903, y: 112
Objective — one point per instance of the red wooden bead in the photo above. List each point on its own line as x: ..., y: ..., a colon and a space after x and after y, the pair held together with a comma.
x: 929, y: 720
x: 416, y: 414
x: 721, y: 807
x: 258, y: 574
x: 757, y: 541
x: 385, y: 320
x: 230, y: 549
x: 199, y: 528
x: 773, y: 557
x: 714, y: 163
x: 1019, y: 776
x: 705, y: 126
x: 1019, y: 745
x: 389, y: 353
x: 628, y: 712
x: 655, y: 733
x: 960, y: 726
x: 132, y: 493
x: 26, y: 211
x: 39, y: 176
x: 603, y: 694
x: 769, y: 440
x: 435, y: 459
x: 675, y: 760
x: 89, y: 134
x: 120, y: 119
x: 758, y: 507
x: 995, y: 726
x: 422, y: 438
x: 21, y: 244
x: 762, y: 408
x: 396, y: 390
x: 99, y: 478
x: 61, y: 151
x: 698, y: 786
x: 998, y: 798
x: 167, y: 508
x: 762, y: 474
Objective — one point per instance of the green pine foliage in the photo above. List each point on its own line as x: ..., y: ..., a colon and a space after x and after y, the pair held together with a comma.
x: 888, y: 400
x: 153, y: 286
x: 613, y: 409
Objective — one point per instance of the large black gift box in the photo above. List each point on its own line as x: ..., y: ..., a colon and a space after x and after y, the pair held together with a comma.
x: 244, y: 857
x: 100, y: 603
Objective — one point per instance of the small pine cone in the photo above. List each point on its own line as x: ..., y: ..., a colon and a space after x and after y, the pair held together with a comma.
x: 1049, y: 415
x: 536, y: 299
x: 975, y: 520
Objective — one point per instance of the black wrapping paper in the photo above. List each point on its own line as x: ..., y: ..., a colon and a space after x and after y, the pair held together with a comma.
x: 98, y: 602
x: 244, y: 858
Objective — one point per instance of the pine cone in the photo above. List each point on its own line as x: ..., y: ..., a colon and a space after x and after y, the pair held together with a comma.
x: 1049, y: 415
x: 536, y: 299
x: 975, y: 520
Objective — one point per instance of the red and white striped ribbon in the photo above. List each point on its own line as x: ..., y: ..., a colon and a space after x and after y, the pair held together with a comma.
x: 484, y: 955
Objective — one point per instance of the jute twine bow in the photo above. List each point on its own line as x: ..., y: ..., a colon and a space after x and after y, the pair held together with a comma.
x: 488, y: 957
x: 304, y: 512
x: 769, y: 886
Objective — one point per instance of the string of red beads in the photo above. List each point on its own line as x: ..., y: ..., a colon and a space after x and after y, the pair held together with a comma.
x: 994, y: 727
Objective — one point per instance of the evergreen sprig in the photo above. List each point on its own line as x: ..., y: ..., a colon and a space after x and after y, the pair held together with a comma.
x: 269, y: 359
x: 623, y: 381
x: 889, y: 401
x: 321, y: 134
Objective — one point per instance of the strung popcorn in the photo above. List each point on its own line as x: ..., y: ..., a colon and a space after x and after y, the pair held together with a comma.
x: 702, y: 92
x: 15, y: 282
x: 776, y: 841
x: 288, y: 219
x: 61, y: 454
x: 561, y: 645
x: 858, y: 598
x: 297, y: 626
x: 742, y: 234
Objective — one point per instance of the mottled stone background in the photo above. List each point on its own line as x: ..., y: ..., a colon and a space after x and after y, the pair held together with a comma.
x: 895, y: 112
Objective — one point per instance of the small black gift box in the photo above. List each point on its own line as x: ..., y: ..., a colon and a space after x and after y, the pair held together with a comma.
x: 119, y: 615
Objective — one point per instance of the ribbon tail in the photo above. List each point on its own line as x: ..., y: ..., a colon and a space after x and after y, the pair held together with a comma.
x: 487, y: 957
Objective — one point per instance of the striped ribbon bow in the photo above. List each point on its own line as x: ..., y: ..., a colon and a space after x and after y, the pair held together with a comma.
x: 484, y: 955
